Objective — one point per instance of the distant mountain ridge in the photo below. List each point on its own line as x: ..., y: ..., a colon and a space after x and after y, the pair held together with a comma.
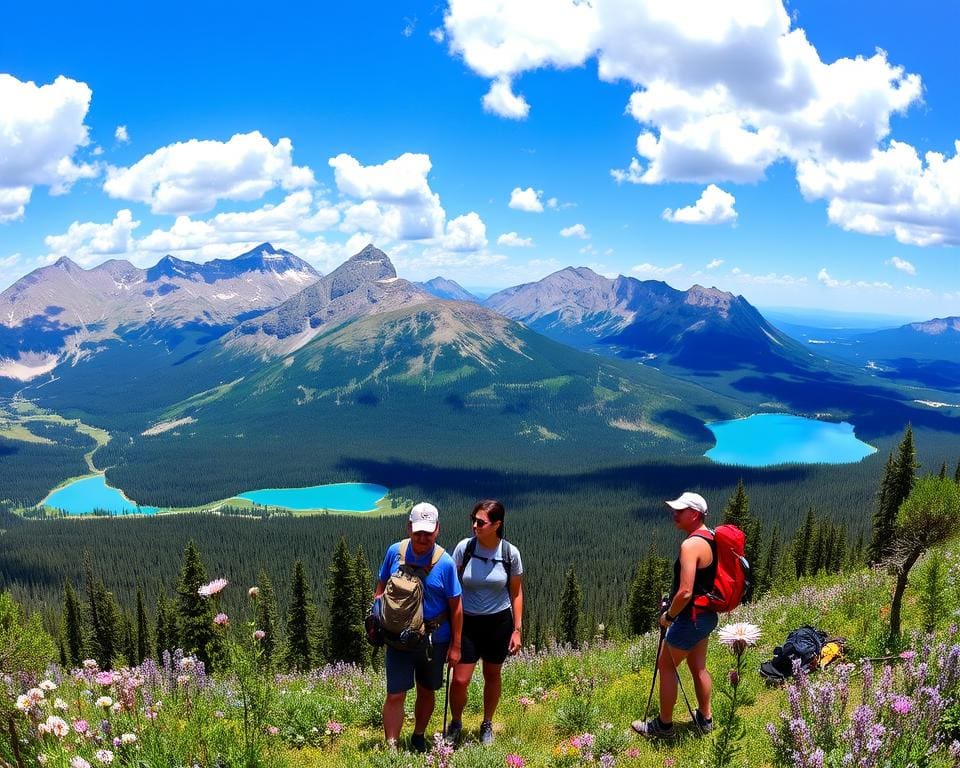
x: 701, y: 328
x: 63, y: 311
x: 447, y: 289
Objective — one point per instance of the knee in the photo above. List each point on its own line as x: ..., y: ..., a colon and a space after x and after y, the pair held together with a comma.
x: 393, y: 699
x: 491, y: 673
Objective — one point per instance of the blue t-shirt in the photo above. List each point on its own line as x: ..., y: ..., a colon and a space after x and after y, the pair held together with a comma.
x: 440, y: 585
x: 485, y: 578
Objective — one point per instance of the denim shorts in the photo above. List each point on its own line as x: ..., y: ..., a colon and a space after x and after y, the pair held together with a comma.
x: 403, y: 667
x: 684, y: 632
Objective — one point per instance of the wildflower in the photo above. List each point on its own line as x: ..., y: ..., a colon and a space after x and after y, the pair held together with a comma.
x: 739, y: 636
x: 259, y: 634
x: 902, y: 705
x: 81, y: 726
x: 734, y: 677
x: 90, y: 664
x: 104, y: 678
x: 48, y: 685
x: 23, y: 702
x: 57, y: 726
x: 183, y: 679
x: 187, y: 663
x: 79, y: 762
x: 334, y: 728
x: 253, y: 593
x: 907, y: 655
x: 35, y: 695
x: 42, y: 759
x: 525, y: 701
x: 607, y: 760
x: 219, y: 714
x: 221, y: 620
x: 117, y: 707
x: 104, y: 702
x: 515, y: 761
x: 633, y: 753
x: 668, y: 762
x: 213, y: 588
x: 273, y: 730
x: 128, y: 738
x: 104, y: 756
x: 61, y: 705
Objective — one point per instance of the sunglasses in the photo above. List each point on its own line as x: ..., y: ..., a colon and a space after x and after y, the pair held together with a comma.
x: 478, y: 522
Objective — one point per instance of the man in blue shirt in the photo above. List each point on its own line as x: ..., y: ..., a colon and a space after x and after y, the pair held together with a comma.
x: 424, y: 666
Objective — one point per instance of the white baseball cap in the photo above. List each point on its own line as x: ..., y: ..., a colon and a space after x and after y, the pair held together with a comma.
x: 424, y: 517
x: 689, y: 500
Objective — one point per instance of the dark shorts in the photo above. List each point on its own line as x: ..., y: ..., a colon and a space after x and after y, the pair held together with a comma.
x: 684, y: 633
x: 405, y: 667
x: 487, y: 637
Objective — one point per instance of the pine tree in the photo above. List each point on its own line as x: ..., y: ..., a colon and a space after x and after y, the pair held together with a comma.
x: 267, y: 620
x: 571, y: 604
x: 802, y: 542
x: 346, y: 637
x: 144, y: 646
x: 301, y: 622
x: 816, y: 556
x: 129, y: 641
x: 643, y: 604
x: 898, y: 478
x: 956, y: 474
x: 73, y: 624
x: 106, y: 629
x: 167, y: 634
x: 194, y: 613
x: 943, y: 471
x: 737, y: 511
x: 764, y: 576
x: 838, y: 557
x: 364, y: 597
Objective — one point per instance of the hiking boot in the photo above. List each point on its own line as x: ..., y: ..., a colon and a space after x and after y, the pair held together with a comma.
x: 452, y: 736
x: 705, y: 724
x: 418, y: 742
x: 486, y: 733
x: 653, y: 729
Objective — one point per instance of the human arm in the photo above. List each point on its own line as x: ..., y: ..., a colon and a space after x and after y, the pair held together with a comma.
x: 516, y: 603
x: 455, y: 608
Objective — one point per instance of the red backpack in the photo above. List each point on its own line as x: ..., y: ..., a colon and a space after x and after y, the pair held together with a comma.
x: 732, y: 580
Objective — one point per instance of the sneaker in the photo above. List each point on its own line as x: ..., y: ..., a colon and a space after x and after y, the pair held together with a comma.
x: 653, y: 729
x: 486, y: 733
x: 705, y: 724
x: 454, y: 729
x: 418, y: 742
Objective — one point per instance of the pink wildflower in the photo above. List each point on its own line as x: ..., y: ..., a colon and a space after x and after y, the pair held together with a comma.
x: 80, y: 726
x: 515, y: 761
x: 104, y: 678
x: 213, y: 588
x: 221, y: 620
x: 334, y: 728
x: 273, y: 730
x: 259, y: 634
x: 525, y: 701
x: 633, y: 753
x: 902, y: 705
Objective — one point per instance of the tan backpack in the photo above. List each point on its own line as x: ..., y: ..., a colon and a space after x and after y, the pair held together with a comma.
x: 401, y: 605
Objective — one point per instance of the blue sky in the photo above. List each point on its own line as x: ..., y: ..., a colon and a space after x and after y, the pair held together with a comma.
x: 776, y: 152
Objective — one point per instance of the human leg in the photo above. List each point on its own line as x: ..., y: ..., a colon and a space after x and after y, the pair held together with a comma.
x: 670, y: 659
x: 423, y: 708
x: 460, y: 682
x: 492, y: 686
x: 702, y: 682
x: 400, y: 675
x: 393, y: 716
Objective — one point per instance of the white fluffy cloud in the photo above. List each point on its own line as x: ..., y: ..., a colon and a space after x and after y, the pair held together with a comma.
x: 513, y: 240
x: 526, y: 200
x: 501, y: 100
x: 465, y: 233
x: 714, y: 263
x: 576, y: 230
x: 193, y: 176
x: 823, y: 277
x: 88, y: 243
x: 121, y: 134
x: 652, y: 271
x: 725, y: 90
x: 715, y: 206
x: 41, y: 130
x: 903, y: 265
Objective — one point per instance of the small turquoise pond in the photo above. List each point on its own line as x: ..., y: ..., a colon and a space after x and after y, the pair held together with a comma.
x: 343, y: 497
x: 92, y: 493
x: 765, y: 439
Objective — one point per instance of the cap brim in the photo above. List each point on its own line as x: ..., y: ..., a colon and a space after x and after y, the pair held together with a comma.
x: 676, y: 505
x: 423, y: 526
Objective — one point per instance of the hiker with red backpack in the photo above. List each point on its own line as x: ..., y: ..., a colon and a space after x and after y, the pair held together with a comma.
x: 420, y: 617
x: 708, y: 578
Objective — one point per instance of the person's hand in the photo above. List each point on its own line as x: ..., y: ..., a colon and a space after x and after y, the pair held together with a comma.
x: 516, y: 643
x: 663, y: 620
x: 453, y: 655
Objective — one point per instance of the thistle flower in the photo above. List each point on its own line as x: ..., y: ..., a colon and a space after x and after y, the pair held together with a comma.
x: 259, y: 634
x: 47, y: 685
x: 128, y: 738
x: 253, y: 593
x: 78, y: 762
x: 515, y: 761
x: 221, y: 620
x: 105, y: 702
x: 213, y: 588
x: 739, y: 636
x: 104, y: 756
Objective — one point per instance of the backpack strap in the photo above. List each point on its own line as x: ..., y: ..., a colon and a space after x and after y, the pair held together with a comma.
x: 468, y: 551
x: 506, y: 561
x: 403, y: 551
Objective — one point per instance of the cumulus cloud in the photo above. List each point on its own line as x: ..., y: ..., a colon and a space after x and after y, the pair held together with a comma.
x: 824, y: 278
x: 465, y: 233
x: 576, y: 230
x: 526, y: 200
x: 714, y: 264
x: 903, y: 265
x: 513, y: 240
x: 769, y: 279
x: 437, y: 35
x: 88, y: 243
x: 121, y: 134
x: 41, y: 130
x: 653, y: 271
x: 502, y: 101
x: 724, y: 92
x: 715, y: 206
x: 193, y: 176
x: 396, y: 199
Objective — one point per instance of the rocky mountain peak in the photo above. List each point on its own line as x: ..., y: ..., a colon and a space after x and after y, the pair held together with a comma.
x: 370, y: 265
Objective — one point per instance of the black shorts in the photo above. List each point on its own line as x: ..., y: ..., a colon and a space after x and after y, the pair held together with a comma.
x: 487, y: 637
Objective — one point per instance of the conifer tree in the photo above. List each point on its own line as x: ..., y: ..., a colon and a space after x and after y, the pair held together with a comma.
x: 838, y: 558
x: 737, y: 512
x: 167, y: 634
x: 73, y: 624
x: 956, y: 474
x: 802, y: 542
x: 267, y: 619
x: 643, y: 604
x: 129, y: 641
x: 764, y: 576
x: 898, y: 479
x: 364, y: 598
x: 943, y: 471
x: 571, y: 604
x: 346, y: 637
x: 301, y: 623
x: 194, y: 612
x: 62, y: 648
x: 144, y: 646
x: 817, y: 555
x: 103, y: 617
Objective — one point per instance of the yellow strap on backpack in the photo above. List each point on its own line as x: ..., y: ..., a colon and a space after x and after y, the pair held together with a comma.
x: 830, y: 652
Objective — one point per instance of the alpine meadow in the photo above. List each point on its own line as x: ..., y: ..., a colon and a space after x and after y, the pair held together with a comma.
x: 658, y: 280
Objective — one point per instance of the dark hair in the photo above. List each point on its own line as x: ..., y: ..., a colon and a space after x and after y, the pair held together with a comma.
x: 494, y: 510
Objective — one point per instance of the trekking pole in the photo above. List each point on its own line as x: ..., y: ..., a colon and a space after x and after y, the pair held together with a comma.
x: 656, y: 668
x: 446, y: 699
x: 676, y: 671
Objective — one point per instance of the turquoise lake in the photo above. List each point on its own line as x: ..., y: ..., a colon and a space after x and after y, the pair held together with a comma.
x: 92, y: 493
x: 765, y: 439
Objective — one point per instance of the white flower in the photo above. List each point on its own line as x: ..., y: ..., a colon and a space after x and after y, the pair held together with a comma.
x: 128, y: 738
x: 57, y: 726
x: 42, y: 759
x: 79, y: 762
x: 23, y: 702
x: 48, y: 685
x: 104, y: 756
x: 739, y: 636
x: 35, y: 695
x: 61, y: 705
x: 105, y: 702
